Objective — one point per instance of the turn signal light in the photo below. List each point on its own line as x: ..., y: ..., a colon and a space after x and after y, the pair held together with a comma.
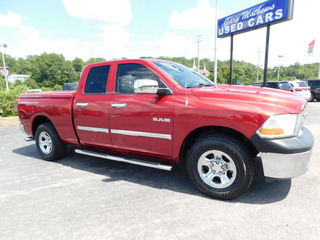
x: 271, y: 131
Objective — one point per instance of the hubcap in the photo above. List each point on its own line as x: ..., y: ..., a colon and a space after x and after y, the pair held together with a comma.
x: 217, y: 169
x: 45, y: 142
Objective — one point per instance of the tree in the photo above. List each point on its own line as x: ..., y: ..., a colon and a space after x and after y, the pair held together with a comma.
x: 78, y: 64
x: 95, y: 60
x: 31, y: 83
x: 52, y: 69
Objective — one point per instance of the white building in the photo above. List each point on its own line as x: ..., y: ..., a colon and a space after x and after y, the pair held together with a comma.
x: 14, y: 77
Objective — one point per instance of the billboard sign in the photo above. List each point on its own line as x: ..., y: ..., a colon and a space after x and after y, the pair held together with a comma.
x: 266, y: 13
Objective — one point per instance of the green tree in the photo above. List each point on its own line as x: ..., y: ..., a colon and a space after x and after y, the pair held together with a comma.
x: 78, y: 64
x: 95, y: 60
x: 52, y: 69
x: 31, y: 83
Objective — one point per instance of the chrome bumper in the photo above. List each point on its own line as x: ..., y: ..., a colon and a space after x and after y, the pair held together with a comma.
x: 285, y: 158
x: 284, y: 166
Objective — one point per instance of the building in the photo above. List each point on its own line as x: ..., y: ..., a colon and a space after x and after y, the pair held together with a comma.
x: 203, y: 72
x: 14, y: 77
x: 3, y: 71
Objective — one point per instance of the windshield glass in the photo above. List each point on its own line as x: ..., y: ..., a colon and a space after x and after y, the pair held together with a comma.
x: 302, y: 84
x: 285, y: 85
x: 184, y: 76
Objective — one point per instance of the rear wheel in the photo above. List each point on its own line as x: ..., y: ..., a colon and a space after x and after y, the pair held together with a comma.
x: 49, y: 143
x: 220, y: 166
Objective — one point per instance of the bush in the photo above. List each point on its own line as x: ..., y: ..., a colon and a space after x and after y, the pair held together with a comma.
x: 57, y: 87
x: 9, y: 100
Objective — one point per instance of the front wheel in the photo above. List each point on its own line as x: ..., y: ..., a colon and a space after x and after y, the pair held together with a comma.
x: 49, y: 143
x: 220, y: 166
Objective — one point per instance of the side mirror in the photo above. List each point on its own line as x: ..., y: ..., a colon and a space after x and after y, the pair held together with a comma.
x: 145, y: 86
x: 150, y: 86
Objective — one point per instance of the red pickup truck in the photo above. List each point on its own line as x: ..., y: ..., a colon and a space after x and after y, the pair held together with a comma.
x: 158, y: 114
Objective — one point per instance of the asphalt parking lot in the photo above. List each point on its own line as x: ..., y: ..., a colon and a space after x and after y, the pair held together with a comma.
x: 82, y: 197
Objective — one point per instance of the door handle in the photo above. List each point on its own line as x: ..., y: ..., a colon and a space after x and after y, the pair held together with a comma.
x: 82, y: 104
x: 119, y: 105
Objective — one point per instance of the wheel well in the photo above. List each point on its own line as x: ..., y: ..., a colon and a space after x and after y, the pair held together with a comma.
x: 37, y: 122
x: 204, y: 131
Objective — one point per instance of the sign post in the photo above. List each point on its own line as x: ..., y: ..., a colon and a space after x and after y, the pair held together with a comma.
x: 261, y: 15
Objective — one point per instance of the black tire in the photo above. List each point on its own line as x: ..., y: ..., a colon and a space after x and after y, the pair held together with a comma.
x: 49, y: 143
x: 220, y: 166
x: 312, y: 97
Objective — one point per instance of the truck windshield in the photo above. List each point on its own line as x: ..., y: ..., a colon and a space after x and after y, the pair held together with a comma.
x: 184, y: 76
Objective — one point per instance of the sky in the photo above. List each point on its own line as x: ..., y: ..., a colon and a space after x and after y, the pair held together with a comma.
x: 151, y: 28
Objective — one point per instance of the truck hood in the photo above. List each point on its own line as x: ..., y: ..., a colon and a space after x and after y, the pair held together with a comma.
x: 270, y: 101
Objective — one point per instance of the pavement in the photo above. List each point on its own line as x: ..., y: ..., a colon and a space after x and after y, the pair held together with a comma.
x: 81, y: 197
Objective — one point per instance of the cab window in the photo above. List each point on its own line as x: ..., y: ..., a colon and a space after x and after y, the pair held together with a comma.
x: 97, y: 80
x: 128, y: 73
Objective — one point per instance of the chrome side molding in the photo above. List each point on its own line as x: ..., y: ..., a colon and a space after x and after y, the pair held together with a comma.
x: 93, y: 129
x: 126, y: 160
x: 141, y: 134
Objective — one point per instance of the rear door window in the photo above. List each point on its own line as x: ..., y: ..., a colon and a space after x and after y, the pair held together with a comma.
x: 97, y: 80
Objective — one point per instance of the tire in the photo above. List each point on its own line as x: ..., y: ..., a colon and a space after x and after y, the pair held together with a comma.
x: 49, y: 143
x: 220, y: 166
x: 312, y: 97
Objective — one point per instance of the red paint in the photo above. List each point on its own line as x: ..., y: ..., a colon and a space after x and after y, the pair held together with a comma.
x: 243, y: 109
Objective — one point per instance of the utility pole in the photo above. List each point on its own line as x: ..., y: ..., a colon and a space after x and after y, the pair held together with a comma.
x: 198, y: 51
x: 280, y: 56
x: 215, y: 45
x: 258, y: 67
x: 4, y: 66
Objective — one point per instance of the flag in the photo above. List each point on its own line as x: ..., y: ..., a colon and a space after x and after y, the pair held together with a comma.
x: 310, y: 48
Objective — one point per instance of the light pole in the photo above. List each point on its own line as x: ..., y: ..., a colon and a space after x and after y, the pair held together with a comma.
x: 258, y: 66
x: 4, y: 66
x: 280, y: 56
x: 198, y: 51
x: 215, y: 45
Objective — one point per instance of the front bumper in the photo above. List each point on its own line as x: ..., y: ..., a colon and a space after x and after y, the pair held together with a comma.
x: 285, y: 158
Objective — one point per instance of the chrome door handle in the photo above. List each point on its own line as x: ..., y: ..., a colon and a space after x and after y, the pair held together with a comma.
x: 119, y: 105
x: 82, y: 104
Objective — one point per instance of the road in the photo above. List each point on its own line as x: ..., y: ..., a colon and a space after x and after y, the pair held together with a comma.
x: 82, y: 197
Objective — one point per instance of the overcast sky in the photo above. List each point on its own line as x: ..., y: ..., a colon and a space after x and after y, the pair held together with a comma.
x: 135, y: 28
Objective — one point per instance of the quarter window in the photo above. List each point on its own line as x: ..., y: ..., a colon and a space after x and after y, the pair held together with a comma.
x: 97, y: 80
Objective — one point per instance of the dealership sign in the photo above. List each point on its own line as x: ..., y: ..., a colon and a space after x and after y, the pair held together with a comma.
x: 267, y: 13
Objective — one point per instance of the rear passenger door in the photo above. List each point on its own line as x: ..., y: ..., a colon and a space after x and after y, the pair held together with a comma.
x: 91, y: 108
x: 140, y: 122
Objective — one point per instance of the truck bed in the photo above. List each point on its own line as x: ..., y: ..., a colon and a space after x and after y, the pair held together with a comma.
x: 56, y: 106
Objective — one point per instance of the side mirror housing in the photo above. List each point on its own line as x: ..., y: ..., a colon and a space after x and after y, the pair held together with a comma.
x: 145, y: 86
x: 150, y: 86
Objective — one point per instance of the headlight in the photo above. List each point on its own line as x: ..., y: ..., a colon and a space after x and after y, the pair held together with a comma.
x: 281, y: 126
